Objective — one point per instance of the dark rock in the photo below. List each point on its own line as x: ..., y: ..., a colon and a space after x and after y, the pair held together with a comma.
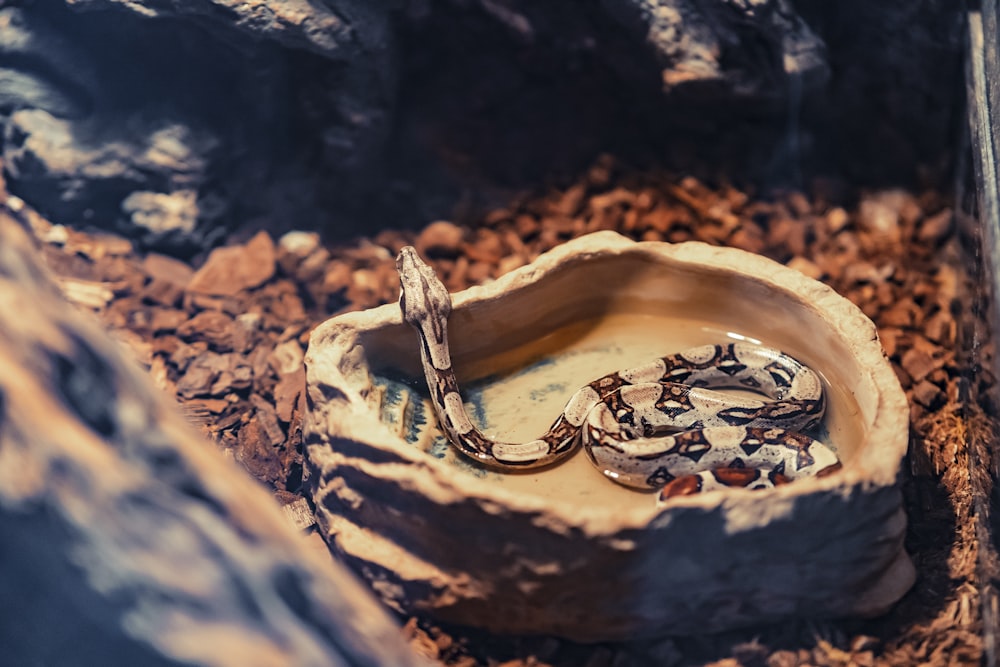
x: 41, y: 69
x: 718, y: 42
x: 165, y: 121
x: 173, y: 122
x: 80, y: 169
x: 342, y: 29
x: 162, y: 213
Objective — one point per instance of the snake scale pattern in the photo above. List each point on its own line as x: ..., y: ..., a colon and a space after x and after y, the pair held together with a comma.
x: 661, y: 425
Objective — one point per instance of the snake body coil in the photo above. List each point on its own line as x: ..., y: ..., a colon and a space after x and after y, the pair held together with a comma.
x: 659, y: 425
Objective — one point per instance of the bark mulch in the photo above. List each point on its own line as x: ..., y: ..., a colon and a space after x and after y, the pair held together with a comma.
x: 227, y: 335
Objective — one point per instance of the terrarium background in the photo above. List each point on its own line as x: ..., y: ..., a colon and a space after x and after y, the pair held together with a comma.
x: 521, y: 127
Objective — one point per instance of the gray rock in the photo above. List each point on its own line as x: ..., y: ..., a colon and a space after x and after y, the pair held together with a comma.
x: 40, y: 68
x: 719, y: 42
x: 171, y: 154
x: 163, y: 213
x: 341, y: 29
x: 204, y: 98
x: 85, y: 172
x: 20, y: 90
x: 291, y: 114
x: 736, y: 47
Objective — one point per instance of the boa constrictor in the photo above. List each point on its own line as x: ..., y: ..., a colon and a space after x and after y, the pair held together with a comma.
x: 659, y: 425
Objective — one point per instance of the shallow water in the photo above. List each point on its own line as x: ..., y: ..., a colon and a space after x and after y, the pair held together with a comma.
x: 515, y: 395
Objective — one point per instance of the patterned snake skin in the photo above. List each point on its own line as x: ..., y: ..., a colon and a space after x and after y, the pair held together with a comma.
x: 659, y: 425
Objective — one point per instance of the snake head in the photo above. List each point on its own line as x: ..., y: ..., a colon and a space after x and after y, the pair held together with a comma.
x: 423, y: 299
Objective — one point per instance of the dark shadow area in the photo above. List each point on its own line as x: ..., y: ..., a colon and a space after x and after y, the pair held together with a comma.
x: 451, y: 111
x: 51, y: 615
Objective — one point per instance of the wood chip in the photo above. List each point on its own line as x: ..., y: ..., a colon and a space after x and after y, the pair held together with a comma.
x: 254, y: 451
x: 201, y: 374
x: 919, y: 363
x: 928, y: 394
x: 214, y: 327
x: 229, y: 270
x: 299, y: 514
x: 440, y: 239
x: 569, y: 202
x: 300, y: 244
x: 803, y: 265
x: 936, y: 227
x: 88, y: 294
x: 286, y: 393
x: 167, y: 269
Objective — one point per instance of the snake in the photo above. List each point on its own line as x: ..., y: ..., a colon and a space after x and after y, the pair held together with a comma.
x: 662, y: 425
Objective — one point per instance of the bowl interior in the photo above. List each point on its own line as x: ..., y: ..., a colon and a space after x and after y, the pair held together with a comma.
x: 521, y: 354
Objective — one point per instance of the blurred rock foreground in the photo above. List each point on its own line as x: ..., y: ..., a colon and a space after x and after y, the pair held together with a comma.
x: 124, y: 538
x: 175, y: 122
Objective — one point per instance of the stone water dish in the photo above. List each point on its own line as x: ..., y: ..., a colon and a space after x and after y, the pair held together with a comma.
x: 564, y: 551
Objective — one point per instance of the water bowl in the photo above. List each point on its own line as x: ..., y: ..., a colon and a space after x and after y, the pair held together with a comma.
x: 563, y: 550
